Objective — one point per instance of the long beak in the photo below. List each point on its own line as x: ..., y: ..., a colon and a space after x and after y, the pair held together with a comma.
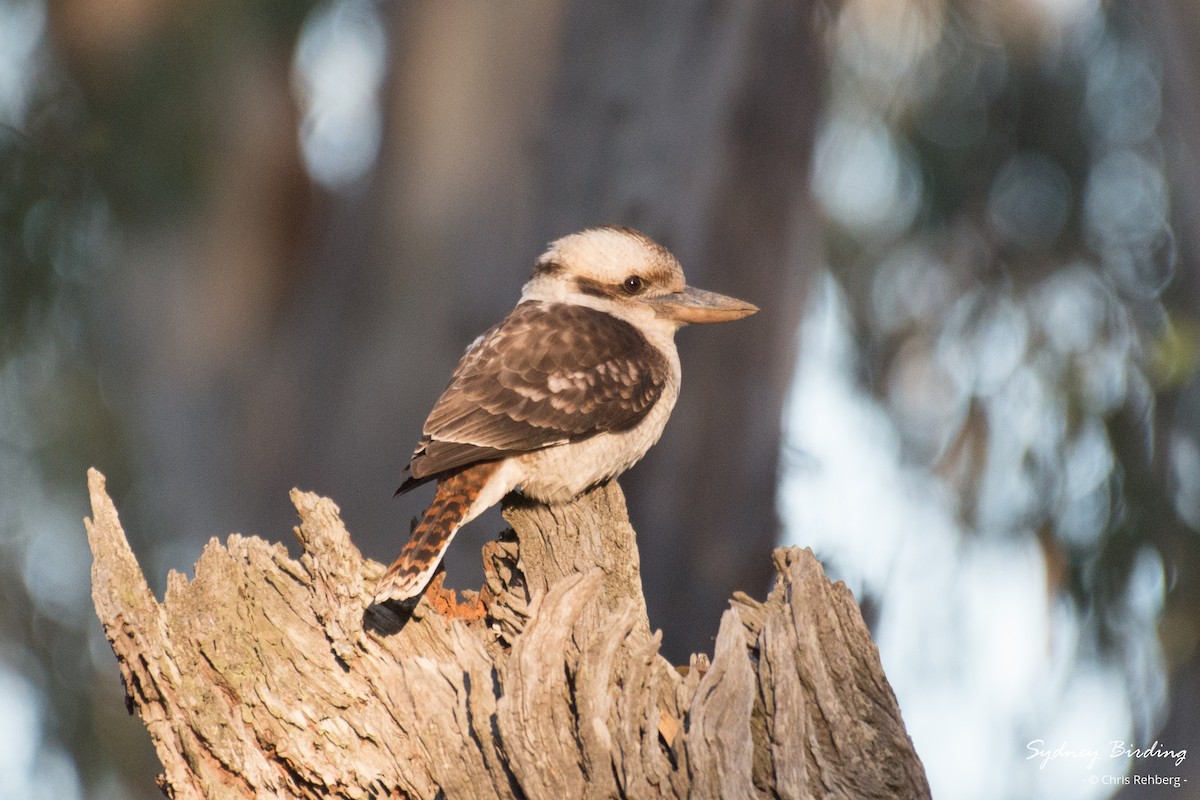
x: 697, y: 305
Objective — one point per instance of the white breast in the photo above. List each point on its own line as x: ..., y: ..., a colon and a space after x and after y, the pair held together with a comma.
x: 558, y: 474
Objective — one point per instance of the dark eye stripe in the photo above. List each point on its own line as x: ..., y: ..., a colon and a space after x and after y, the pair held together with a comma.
x: 596, y: 288
x: 593, y: 288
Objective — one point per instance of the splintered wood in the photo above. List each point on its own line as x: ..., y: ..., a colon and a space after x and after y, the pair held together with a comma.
x: 265, y: 676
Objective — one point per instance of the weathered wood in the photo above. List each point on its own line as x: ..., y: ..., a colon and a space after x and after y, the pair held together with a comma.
x: 267, y: 676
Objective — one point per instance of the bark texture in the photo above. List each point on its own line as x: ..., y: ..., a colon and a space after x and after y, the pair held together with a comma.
x: 267, y: 676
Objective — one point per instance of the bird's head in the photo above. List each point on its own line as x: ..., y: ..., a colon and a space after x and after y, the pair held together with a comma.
x: 628, y: 274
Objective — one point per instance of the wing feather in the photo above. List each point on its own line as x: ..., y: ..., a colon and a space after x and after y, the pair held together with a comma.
x: 549, y: 373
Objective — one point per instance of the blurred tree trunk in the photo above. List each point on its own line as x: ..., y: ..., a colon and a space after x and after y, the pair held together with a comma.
x: 693, y: 122
x: 270, y: 677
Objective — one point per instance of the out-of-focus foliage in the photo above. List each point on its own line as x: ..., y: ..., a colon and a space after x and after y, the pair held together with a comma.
x: 103, y: 126
x: 150, y: 96
x: 1008, y: 277
x: 58, y: 739
x: 999, y: 202
x: 25, y: 284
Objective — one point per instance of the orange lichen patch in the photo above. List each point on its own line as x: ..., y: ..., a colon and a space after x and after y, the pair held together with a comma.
x: 445, y: 601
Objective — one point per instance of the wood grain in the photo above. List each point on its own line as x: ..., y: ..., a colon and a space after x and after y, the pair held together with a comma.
x: 268, y: 676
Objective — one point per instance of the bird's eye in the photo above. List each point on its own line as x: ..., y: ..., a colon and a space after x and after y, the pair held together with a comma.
x: 633, y: 284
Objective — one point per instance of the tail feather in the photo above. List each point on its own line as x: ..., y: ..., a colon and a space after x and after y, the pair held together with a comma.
x: 408, y: 575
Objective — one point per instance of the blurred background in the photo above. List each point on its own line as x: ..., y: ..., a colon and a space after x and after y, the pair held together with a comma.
x: 242, y: 246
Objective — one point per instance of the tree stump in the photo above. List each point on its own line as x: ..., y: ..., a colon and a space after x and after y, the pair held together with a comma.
x: 266, y: 676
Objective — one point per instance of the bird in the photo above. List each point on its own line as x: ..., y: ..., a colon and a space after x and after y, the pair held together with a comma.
x: 568, y: 391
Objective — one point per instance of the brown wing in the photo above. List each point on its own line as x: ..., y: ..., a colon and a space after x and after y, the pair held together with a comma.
x: 548, y: 373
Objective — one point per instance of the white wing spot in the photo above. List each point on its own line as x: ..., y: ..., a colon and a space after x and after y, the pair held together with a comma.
x: 563, y: 381
x: 532, y: 392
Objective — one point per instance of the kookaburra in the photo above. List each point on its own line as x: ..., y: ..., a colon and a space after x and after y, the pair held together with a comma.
x: 568, y: 391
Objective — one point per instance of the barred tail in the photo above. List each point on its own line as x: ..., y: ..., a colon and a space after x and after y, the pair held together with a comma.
x: 456, y: 494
